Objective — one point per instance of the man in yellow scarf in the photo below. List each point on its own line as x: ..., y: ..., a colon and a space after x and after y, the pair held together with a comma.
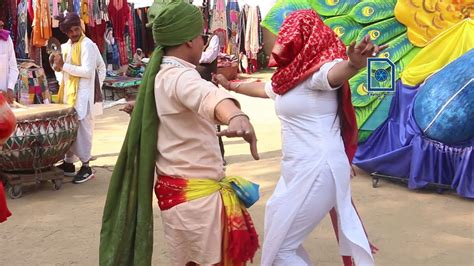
x: 78, y: 64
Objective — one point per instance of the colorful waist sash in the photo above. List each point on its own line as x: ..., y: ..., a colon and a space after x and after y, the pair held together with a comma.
x: 240, y: 239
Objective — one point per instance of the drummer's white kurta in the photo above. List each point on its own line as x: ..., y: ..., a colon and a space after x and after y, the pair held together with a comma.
x: 91, y: 60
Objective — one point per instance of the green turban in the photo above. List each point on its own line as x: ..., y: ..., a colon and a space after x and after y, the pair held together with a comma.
x: 126, y: 237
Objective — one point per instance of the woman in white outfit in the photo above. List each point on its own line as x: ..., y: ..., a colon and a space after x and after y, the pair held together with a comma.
x: 319, y: 134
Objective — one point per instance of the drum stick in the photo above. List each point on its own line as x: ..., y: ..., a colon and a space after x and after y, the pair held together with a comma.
x: 19, y: 105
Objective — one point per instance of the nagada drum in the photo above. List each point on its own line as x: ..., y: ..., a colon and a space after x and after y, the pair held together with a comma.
x: 43, y: 135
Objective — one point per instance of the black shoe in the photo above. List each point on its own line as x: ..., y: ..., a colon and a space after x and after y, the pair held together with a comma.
x: 68, y: 168
x: 84, y: 174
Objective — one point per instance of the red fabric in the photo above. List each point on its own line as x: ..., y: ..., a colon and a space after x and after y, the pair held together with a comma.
x: 131, y: 30
x: 170, y: 191
x: 4, y: 212
x: 31, y: 12
x: 96, y: 34
x: 119, y: 12
x: 7, y: 120
x: 122, y: 51
x: 303, y: 45
x: 118, y: 15
x: 240, y: 240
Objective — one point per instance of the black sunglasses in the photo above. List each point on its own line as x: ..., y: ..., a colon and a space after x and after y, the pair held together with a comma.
x: 205, y: 37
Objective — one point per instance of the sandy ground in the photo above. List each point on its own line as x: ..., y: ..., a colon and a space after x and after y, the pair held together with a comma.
x: 410, y: 227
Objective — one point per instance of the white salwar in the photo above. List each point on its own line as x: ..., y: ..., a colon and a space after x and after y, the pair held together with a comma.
x: 315, y: 176
x: 91, y: 60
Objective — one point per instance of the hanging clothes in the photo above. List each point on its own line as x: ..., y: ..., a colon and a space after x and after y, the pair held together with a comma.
x: 131, y: 32
x: 96, y: 34
x: 118, y: 12
x: 122, y: 45
x: 85, y: 11
x: 76, y: 6
x: 55, y: 12
x: 3, y: 11
x: 242, y: 29
x: 147, y: 37
x: 94, y: 12
x: 206, y: 15
x: 138, y: 29
x: 55, y: 9
x: 12, y: 19
x: 219, y: 23
x: 233, y: 20
x: 42, y: 28
x: 243, y: 61
x: 252, y: 38
x: 104, y: 10
x: 31, y: 12
x: 22, y: 39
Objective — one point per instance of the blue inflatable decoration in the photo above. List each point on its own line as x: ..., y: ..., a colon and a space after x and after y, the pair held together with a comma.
x: 444, y: 105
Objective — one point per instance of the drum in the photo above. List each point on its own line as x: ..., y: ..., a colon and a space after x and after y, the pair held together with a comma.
x: 43, y: 135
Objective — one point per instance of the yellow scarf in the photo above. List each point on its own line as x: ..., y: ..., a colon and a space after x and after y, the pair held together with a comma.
x: 72, y: 84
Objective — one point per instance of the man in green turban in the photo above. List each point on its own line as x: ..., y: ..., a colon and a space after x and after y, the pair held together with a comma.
x: 171, y: 135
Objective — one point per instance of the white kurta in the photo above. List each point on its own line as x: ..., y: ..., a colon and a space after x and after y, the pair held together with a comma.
x: 315, y: 176
x: 91, y: 60
x: 8, y: 67
x: 212, y: 51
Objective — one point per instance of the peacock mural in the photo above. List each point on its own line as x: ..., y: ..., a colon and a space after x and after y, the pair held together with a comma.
x: 423, y: 131
x: 351, y: 20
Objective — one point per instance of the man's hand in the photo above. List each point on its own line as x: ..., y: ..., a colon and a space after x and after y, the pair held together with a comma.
x: 9, y: 96
x: 58, y: 61
x: 219, y: 79
x: 240, y: 126
x: 358, y: 54
x: 128, y: 108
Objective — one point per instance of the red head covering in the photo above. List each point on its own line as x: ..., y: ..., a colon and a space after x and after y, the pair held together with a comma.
x: 303, y: 45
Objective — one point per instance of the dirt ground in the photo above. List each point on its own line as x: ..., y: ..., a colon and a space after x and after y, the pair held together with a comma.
x: 409, y: 227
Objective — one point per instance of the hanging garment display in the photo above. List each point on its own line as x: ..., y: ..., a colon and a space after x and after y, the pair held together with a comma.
x: 233, y: 19
x: 22, y: 40
x: 219, y: 23
x: 118, y: 14
x: 42, y: 28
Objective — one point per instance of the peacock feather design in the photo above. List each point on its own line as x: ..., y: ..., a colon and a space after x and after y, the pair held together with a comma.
x: 351, y: 20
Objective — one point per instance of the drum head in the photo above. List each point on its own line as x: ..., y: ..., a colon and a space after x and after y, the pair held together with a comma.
x: 41, y: 111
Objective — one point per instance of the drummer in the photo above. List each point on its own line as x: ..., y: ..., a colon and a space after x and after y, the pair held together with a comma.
x: 81, y: 60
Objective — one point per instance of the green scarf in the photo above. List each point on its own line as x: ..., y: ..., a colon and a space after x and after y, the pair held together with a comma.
x: 126, y: 237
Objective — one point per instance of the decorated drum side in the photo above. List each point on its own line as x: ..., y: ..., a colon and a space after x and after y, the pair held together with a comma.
x: 43, y: 135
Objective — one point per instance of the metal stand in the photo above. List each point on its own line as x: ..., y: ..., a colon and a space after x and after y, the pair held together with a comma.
x: 16, y: 180
x: 440, y: 188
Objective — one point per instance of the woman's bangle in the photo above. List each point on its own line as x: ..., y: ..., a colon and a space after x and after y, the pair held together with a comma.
x: 236, y: 115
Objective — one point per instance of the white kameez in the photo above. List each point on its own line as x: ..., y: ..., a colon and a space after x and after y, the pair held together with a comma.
x: 8, y: 68
x: 315, y: 176
x: 91, y: 60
